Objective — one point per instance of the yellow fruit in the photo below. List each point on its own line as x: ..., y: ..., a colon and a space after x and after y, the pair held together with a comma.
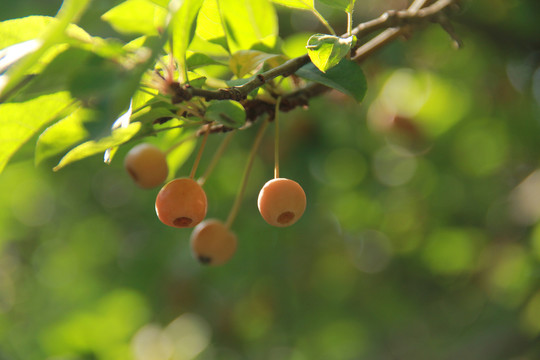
x: 281, y: 202
x: 181, y: 203
x: 147, y: 165
x: 212, y: 243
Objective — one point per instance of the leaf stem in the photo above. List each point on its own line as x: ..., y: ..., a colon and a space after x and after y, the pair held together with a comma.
x: 217, y: 155
x: 323, y: 21
x: 247, y: 170
x: 276, y: 139
x: 199, y: 153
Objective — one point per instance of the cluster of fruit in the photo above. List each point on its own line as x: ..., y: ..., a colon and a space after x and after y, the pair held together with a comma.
x: 182, y: 203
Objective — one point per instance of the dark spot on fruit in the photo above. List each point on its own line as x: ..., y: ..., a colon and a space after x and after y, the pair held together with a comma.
x: 182, y: 221
x: 132, y: 173
x: 286, y: 217
x: 205, y: 259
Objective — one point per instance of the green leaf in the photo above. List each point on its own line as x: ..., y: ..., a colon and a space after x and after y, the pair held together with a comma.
x: 248, y: 22
x: 244, y: 61
x: 108, y: 86
x: 136, y: 17
x: 70, y: 11
x: 183, y: 30
x: 196, y: 80
x: 163, y: 3
x: 63, y: 135
x: 346, y: 77
x: 15, y: 31
x: 180, y: 153
x: 226, y: 112
x: 57, y: 74
x: 326, y: 51
x: 215, y: 48
x: 297, y: 4
x: 196, y: 60
x: 295, y: 45
x: 345, y: 5
x: 152, y: 114
x: 92, y: 147
x: 20, y: 121
x: 209, y: 26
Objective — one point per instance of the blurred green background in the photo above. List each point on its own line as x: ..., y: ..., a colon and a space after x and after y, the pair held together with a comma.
x: 421, y: 239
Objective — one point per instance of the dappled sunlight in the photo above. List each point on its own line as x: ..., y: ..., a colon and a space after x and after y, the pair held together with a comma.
x: 453, y: 251
x: 524, y: 204
x: 508, y: 274
x: 393, y: 169
x: 370, y: 251
x: 183, y: 339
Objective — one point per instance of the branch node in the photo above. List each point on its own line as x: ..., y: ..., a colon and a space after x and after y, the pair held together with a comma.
x: 180, y: 93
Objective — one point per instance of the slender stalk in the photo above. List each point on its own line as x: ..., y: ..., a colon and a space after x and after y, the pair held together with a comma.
x: 276, y: 139
x: 247, y: 170
x: 199, y: 154
x: 323, y: 21
x: 217, y: 155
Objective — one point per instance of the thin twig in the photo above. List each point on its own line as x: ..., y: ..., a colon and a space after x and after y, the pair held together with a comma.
x: 245, y: 176
x: 217, y: 155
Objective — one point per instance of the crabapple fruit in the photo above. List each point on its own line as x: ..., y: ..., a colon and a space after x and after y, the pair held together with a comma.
x: 147, y: 165
x: 281, y: 202
x: 181, y: 203
x: 212, y: 243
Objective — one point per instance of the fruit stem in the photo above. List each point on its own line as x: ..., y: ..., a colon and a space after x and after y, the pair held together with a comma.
x: 276, y: 139
x: 199, y: 153
x: 247, y: 170
x: 216, y: 157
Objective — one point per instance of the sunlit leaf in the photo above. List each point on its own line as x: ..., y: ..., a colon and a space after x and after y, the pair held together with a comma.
x: 346, y: 77
x: 15, y: 31
x: 108, y: 87
x: 248, y: 22
x: 136, y: 17
x: 63, y: 135
x: 196, y: 60
x: 183, y: 29
x: 163, y: 3
x: 295, y: 45
x: 20, y: 121
x: 92, y: 147
x: 177, y: 142
x: 155, y: 113
x: 228, y: 112
x: 297, y: 4
x: 57, y: 74
x: 345, y: 5
x: 209, y: 25
x: 10, y: 55
x: 244, y: 61
x: 326, y: 51
x: 179, y: 155
x: 70, y: 11
x: 123, y: 121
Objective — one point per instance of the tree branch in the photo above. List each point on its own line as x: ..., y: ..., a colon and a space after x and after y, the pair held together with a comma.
x: 401, y: 18
x: 395, y: 24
